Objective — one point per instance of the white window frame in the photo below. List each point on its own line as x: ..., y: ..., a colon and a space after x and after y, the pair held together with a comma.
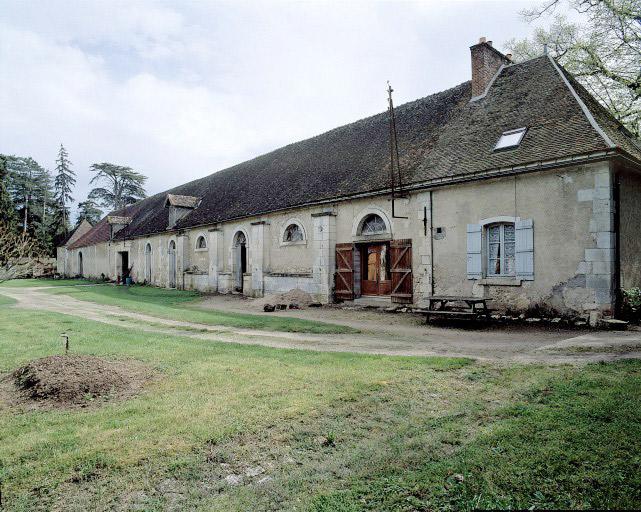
x: 515, y: 144
x: 501, y: 242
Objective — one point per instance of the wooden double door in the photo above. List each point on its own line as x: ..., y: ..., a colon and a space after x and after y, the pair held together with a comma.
x: 375, y: 270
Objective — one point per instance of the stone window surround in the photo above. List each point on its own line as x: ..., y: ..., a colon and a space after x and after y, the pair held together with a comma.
x: 360, y: 218
x: 201, y: 249
x: 288, y: 223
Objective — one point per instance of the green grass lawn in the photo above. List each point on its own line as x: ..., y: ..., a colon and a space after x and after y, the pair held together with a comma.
x: 329, y: 432
x: 182, y: 305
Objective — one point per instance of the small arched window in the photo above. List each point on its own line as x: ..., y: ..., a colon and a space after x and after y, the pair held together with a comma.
x: 240, y: 239
x: 201, y: 243
x: 293, y: 233
x: 373, y: 225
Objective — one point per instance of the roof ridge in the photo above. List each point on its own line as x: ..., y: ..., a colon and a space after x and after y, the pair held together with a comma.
x: 583, y: 106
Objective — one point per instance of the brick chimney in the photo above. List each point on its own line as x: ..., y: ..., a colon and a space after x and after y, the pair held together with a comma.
x: 486, y: 61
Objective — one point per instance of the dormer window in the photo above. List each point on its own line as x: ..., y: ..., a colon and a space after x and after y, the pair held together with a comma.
x: 510, y: 139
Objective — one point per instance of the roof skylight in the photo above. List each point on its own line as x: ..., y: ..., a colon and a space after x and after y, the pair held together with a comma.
x: 510, y: 139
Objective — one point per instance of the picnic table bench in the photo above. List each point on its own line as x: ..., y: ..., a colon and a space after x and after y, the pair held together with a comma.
x: 451, y: 305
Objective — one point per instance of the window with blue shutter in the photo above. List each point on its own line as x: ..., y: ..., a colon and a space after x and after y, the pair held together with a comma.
x: 474, y: 251
x: 525, y: 249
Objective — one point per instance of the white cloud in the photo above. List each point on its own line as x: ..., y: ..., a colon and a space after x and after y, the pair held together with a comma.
x: 179, y: 90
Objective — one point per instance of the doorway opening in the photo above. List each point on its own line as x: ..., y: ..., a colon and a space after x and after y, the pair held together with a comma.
x: 240, y: 260
x: 80, y: 269
x: 124, y: 265
x: 172, y: 264
x: 375, y: 269
x: 148, y: 263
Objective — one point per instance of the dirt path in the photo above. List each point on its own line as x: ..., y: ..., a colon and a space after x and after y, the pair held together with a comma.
x: 382, y: 333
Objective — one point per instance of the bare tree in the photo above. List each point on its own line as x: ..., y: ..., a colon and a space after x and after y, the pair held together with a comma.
x: 603, y: 51
x: 17, y: 251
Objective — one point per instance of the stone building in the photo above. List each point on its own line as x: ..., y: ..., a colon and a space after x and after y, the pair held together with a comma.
x: 516, y: 185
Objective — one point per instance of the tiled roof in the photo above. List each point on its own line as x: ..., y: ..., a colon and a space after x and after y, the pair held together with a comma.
x: 440, y: 136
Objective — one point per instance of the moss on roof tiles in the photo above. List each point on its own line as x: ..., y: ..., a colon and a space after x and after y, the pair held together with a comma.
x: 442, y: 135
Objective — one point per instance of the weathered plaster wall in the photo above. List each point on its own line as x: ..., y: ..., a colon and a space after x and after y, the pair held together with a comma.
x: 630, y: 233
x: 570, y: 211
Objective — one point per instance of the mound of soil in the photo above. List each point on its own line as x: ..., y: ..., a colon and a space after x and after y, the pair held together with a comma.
x: 295, y: 296
x: 77, y: 380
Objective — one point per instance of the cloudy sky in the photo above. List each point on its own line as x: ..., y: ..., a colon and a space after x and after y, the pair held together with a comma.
x: 178, y: 90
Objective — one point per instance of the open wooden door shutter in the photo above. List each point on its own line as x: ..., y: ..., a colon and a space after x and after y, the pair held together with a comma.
x: 401, y: 269
x: 344, y: 282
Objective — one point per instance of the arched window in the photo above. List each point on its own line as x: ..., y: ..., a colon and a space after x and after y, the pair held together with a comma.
x: 201, y: 243
x: 240, y: 239
x: 293, y: 233
x: 373, y: 225
x: 500, y: 249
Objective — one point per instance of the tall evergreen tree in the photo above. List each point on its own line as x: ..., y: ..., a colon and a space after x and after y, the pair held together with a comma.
x: 44, y: 209
x: 122, y: 185
x: 30, y: 187
x: 7, y: 209
x: 64, y: 182
x: 88, y: 210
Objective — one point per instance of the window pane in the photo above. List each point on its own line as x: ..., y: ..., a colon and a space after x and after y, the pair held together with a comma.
x: 509, y: 139
x: 373, y: 224
x: 495, y: 234
x: 293, y: 233
x: 509, y: 232
x: 509, y: 249
x: 509, y: 265
x: 372, y: 260
x: 495, y: 251
x: 494, y: 267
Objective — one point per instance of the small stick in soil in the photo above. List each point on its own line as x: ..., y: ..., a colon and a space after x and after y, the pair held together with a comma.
x: 66, y: 337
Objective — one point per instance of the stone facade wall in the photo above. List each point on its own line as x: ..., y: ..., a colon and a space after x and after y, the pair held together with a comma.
x: 571, y: 210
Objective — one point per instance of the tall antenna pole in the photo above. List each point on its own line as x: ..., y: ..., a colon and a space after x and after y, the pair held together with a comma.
x: 390, y: 107
x: 393, y: 149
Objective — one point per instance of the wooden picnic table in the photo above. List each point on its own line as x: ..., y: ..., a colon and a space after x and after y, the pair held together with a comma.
x: 452, y: 305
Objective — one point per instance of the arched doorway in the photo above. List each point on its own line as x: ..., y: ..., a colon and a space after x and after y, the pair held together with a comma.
x: 172, y: 264
x: 148, y: 263
x: 80, y: 269
x: 240, y: 260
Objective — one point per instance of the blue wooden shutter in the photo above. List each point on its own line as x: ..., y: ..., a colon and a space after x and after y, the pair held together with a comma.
x: 524, y: 249
x: 474, y: 245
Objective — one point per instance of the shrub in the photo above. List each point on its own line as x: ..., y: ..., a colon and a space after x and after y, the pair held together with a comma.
x: 632, y: 304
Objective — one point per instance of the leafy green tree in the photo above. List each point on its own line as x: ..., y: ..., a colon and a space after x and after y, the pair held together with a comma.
x: 7, y: 209
x: 64, y: 182
x: 89, y: 211
x: 603, y: 51
x: 121, y: 186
